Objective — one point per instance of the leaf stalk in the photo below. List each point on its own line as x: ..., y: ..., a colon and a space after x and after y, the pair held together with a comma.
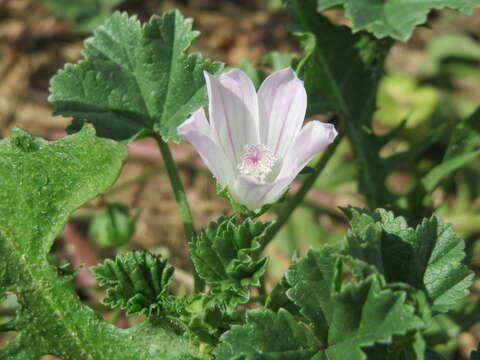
x: 181, y: 199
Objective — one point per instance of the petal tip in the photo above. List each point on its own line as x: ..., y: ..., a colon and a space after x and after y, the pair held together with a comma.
x: 331, y: 132
x: 191, y: 124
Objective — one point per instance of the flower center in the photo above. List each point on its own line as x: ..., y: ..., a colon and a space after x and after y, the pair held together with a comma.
x: 257, y: 161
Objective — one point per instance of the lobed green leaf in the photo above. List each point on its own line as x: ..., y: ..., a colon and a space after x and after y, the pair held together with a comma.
x: 135, y: 79
x: 268, y: 335
x: 394, y: 18
x: 428, y: 257
x: 41, y: 184
x: 341, y: 72
x: 138, y: 282
x: 225, y: 255
x: 347, y: 306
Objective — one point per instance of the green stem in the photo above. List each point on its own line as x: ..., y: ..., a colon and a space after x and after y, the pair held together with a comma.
x: 8, y: 312
x: 297, y: 199
x: 181, y: 198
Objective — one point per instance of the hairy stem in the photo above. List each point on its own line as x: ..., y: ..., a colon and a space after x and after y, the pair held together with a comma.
x: 180, y: 197
x: 297, y: 199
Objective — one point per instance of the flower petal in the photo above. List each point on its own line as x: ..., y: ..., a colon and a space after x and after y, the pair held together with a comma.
x: 233, y: 111
x: 282, y: 102
x: 198, y: 132
x: 314, y: 137
x: 254, y: 194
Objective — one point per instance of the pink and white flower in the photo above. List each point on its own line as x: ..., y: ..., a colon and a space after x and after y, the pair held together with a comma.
x: 254, y: 143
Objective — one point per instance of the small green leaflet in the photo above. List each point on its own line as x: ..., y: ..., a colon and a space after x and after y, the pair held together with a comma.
x: 224, y: 256
x: 139, y: 282
x: 394, y: 18
x: 41, y: 184
x: 85, y: 15
x: 428, y: 257
x: 134, y: 78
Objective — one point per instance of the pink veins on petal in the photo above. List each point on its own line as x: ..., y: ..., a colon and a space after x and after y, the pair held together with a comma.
x: 257, y: 161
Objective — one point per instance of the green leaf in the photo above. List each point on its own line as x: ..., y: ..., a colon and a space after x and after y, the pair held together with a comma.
x: 41, y: 184
x: 316, y: 304
x: 278, y: 298
x: 465, y: 137
x: 135, y: 78
x: 341, y: 72
x: 268, y: 335
x: 138, y: 282
x: 447, y: 51
x: 112, y: 226
x: 409, y: 347
x: 224, y: 255
x: 394, y: 18
x: 413, y: 200
x: 343, y: 315
x: 398, y: 160
x: 331, y: 88
x: 437, y: 174
x: 350, y: 315
x: 413, y: 256
x: 85, y: 15
x: 205, y: 316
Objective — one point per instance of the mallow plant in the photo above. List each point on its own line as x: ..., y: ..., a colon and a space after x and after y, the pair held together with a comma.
x: 397, y: 275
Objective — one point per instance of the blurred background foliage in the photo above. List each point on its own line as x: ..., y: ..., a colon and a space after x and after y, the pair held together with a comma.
x: 431, y: 83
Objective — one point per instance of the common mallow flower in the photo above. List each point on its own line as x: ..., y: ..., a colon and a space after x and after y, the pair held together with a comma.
x: 255, y: 144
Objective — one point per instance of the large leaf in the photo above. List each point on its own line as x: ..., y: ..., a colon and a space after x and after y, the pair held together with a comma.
x: 343, y: 315
x: 224, y: 255
x: 350, y: 315
x: 135, y: 78
x: 341, y: 73
x: 428, y: 257
x: 41, y: 184
x: 85, y: 15
x: 394, y: 18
